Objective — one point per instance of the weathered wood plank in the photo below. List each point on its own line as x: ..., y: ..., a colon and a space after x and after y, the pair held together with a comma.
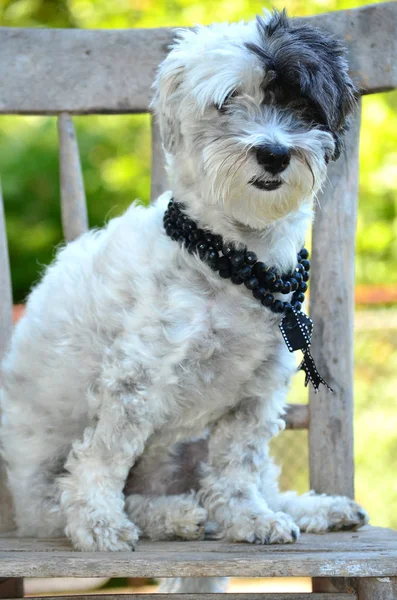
x: 73, y: 201
x: 5, y: 285
x: 159, y: 180
x: 88, y: 71
x: 332, y: 310
x: 5, y: 334
x: 378, y: 588
x: 371, y: 552
x: 79, y: 71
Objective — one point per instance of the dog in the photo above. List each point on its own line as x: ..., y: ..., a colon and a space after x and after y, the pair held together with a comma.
x: 132, y: 346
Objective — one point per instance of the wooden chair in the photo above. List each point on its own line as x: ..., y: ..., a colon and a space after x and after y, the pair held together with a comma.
x: 66, y: 72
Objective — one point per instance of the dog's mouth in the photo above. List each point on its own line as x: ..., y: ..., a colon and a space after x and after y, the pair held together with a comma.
x: 268, y: 185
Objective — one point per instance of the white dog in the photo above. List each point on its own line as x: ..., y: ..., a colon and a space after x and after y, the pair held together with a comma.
x: 133, y: 344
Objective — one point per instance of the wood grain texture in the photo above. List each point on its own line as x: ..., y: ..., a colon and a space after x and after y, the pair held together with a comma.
x: 159, y: 179
x: 371, y: 552
x: 73, y: 201
x: 332, y: 311
x: 88, y: 71
x: 377, y: 588
x: 11, y: 587
x: 6, y: 522
x: 79, y: 71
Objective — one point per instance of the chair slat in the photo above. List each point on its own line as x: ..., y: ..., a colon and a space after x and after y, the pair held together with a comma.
x: 159, y: 181
x: 88, y: 71
x: 73, y: 201
x: 369, y: 552
x: 5, y: 285
x: 332, y: 310
x: 377, y: 588
x: 6, y: 522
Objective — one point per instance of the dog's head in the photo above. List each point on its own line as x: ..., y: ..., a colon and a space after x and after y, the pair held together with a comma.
x: 251, y: 113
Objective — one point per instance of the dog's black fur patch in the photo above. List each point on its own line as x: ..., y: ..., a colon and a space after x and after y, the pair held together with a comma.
x: 306, y: 71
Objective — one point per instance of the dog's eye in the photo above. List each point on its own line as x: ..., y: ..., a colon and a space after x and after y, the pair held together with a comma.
x: 223, y: 107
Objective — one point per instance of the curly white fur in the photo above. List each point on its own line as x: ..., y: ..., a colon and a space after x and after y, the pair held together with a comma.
x: 130, y: 345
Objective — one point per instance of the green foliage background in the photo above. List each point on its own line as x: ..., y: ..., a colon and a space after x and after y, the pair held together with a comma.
x: 115, y: 153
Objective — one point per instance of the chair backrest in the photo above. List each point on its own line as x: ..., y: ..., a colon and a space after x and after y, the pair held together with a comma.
x: 69, y: 71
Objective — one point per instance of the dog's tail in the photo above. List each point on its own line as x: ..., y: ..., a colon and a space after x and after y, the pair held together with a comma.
x: 194, y: 585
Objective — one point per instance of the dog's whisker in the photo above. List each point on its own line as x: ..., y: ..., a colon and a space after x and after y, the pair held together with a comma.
x: 303, y: 159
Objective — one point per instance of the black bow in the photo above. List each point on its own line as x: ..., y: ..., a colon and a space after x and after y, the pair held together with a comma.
x: 297, y: 328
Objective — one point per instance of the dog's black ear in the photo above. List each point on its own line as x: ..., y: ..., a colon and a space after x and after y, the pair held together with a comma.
x: 166, y: 99
x: 337, y: 106
x: 347, y: 95
x: 348, y: 103
x: 325, y: 79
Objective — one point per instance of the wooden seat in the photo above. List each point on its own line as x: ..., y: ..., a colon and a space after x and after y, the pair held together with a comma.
x: 363, y: 553
x: 70, y: 72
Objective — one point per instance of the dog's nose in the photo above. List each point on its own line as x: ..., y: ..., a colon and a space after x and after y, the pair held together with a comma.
x: 273, y: 157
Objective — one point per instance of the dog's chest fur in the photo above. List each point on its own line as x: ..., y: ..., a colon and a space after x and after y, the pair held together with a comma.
x: 207, y: 337
x: 188, y: 341
x: 231, y: 339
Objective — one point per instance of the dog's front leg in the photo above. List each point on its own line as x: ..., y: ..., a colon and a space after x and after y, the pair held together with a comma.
x: 91, y: 494
x: 230, y: 489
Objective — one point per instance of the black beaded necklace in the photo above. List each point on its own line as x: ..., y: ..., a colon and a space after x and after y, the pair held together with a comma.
x: 241, y: 266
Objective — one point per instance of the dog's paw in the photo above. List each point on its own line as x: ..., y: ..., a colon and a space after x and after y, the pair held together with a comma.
x: 333, y: 514
x: 270, y: 528
x: 184, y: 518
x: 101, y: 535
x: 190, y: 522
